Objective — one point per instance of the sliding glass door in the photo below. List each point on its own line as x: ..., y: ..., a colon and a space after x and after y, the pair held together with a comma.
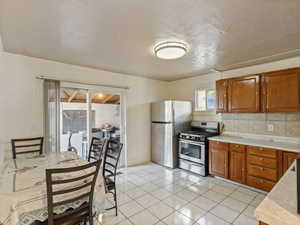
x: 74, y: 120
x: 91, y: 111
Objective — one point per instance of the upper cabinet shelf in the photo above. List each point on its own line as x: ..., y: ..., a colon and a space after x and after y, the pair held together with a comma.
x: 277, y: 91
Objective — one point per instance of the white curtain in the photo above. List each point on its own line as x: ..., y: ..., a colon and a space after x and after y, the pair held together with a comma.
x: 52, y: 115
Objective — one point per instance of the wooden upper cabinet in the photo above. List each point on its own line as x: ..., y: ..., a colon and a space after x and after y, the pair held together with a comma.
x: 281, y: 91
x: 244, y: 94
x: 221, y: 96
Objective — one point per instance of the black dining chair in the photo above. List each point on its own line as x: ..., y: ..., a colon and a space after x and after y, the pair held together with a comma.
x: 27, y: 146
x: 83, y: 190
x: 97, y: 149
x: 109, y: 171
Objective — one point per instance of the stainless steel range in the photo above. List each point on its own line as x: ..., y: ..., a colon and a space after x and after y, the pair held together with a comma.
x: 193, y: 146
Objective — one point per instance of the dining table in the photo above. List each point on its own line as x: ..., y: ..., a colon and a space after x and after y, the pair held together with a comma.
x: 23, y: 194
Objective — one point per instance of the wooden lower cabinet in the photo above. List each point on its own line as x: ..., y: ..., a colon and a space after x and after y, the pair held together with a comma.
x: 260, y: 183
x: 254, y: 166
x: 263, y: 167
x: 288, y: 159
x: 237, y: 163
x: 218, y: 159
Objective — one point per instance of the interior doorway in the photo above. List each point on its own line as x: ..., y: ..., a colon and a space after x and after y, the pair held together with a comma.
x: 91, y: 111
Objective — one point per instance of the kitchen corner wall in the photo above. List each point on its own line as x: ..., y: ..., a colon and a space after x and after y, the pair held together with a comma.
x: 287, y: 125
x: 284, y: 124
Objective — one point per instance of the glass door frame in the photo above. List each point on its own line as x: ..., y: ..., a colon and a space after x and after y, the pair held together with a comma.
x: 123, y: 106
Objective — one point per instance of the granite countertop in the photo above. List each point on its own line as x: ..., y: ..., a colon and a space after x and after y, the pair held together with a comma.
x: 280, y: 205
x: 274, y: 144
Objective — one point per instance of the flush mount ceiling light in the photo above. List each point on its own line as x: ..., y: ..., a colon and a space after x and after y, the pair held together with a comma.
x: 170, y: 50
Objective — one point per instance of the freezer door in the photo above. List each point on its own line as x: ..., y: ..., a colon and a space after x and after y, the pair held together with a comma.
x: 162, y: 111
x: 182, y: 115
x: 163, y: 151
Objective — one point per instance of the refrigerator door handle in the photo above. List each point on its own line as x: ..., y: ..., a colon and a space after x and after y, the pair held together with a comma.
x: 161, y: 122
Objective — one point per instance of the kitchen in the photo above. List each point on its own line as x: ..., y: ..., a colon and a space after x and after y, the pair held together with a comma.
x: 259, y: 119
x: 228, y: 70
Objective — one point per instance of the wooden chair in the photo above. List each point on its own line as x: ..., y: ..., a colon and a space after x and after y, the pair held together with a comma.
x: 97, y: 149
x: 81, y: 214
x: 110, y: 165
x: 27, y: 145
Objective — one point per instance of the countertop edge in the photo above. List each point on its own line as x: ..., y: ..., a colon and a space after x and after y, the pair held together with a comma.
x: 245, y: 141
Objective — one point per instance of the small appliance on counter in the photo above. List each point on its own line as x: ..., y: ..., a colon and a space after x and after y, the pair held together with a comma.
x: 193, y: 146
x: 168, y: 119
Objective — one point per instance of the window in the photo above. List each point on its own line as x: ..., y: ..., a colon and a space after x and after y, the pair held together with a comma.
x: 205, y: 100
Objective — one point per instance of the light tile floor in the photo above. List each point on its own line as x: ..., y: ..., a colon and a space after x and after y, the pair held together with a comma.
x: 151, y: 194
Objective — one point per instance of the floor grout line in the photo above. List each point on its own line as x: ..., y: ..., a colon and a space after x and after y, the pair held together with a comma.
x: 177, y: 179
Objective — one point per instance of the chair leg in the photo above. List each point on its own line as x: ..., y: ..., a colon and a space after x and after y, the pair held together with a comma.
x: 116, y: 201
x: 91, y: 220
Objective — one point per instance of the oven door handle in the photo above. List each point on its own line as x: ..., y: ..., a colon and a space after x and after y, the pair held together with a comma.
x: 191, y: 142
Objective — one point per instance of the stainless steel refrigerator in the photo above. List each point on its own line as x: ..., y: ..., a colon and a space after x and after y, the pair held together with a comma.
x: 168, y: 119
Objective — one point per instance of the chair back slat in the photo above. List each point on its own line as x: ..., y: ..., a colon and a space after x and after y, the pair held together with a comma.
x: 27, y: 146
x: 72, y: 189
x: 73, y: 179
x: 109, y: 171
x: 62, y: 191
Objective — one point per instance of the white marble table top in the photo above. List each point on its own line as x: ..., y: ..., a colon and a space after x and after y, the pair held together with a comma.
x: 23, y: 187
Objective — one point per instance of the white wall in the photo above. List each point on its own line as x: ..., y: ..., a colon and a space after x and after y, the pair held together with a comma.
x: 184, y: 89
x: 106, y: 113
x: 21, y: 103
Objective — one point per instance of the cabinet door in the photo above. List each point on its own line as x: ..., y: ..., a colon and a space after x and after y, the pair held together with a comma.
x: 281, y: 91
x: 237, y: 166
x: 218, y: 161
x: 244, y: 94
x: 288, y: 159
x: 262, y: 223
x: 221, y: 96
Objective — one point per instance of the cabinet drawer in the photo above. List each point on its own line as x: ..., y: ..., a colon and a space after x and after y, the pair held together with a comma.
x: 262, y: 172
x: 262, y: 161
x: 260, y: 183
x: 218, y: 145
x: 262, y: 152
x: 237, y: 148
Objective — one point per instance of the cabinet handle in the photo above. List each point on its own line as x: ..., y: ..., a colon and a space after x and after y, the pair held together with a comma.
x: 261, y: 149
x: 262, y: 169
x: 261, y: 159
x: 261, y: 181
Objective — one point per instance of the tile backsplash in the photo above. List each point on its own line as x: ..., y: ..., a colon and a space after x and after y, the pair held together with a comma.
x: 283, y: 124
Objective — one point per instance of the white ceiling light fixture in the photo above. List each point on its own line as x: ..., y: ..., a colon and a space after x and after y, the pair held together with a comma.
x: 170, y: 50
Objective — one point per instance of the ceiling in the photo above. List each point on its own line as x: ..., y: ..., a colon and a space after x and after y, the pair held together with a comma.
x: 80, y: 96
x: 119, y: 35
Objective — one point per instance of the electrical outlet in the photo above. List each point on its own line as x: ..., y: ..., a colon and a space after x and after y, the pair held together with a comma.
x: 270, y: 127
